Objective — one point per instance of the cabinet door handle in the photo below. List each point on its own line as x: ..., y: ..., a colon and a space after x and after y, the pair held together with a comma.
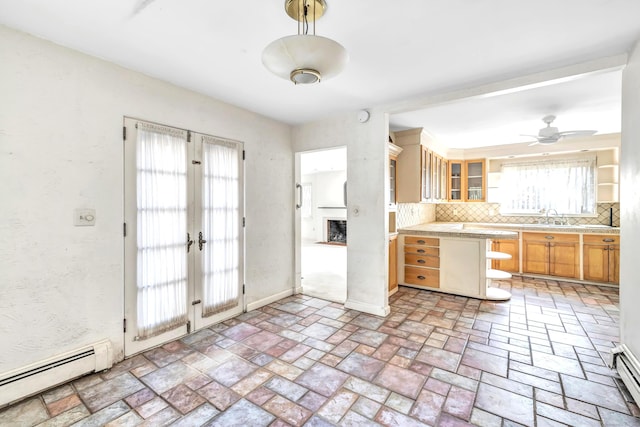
x: 421, y: 261
x: 421, y: 277
x: 421, y: 251
x: 608, y: 240
x: 422, y: 242
x: 548, y: 237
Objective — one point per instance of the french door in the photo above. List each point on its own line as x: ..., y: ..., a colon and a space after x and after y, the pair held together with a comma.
x: 183, y: 232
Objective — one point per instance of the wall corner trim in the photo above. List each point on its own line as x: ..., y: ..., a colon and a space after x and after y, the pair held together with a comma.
x: 368, y: 308
x: 268, y: 300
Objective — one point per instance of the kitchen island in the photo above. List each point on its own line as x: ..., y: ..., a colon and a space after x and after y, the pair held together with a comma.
x: 451, y: 258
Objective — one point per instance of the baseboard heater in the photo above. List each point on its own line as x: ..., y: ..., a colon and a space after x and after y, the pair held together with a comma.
x: 628, y: 367
x: 37, y: 377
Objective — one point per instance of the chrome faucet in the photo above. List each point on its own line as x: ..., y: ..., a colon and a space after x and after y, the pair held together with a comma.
x: 549, y: 211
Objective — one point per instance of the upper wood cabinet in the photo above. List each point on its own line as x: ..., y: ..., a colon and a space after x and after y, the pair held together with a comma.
x: 421, y: 174
x: 467, y: 180
x: 394, y: 152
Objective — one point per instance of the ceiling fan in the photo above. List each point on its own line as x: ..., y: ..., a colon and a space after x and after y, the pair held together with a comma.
x: 550, y: 135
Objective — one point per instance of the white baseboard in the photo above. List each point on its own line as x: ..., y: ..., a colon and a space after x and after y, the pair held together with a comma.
x: 268, y: 300
x: 368, y: 308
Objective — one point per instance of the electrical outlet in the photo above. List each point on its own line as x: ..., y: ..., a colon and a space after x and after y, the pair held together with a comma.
x: 492, y: 212
x: 455, y: 212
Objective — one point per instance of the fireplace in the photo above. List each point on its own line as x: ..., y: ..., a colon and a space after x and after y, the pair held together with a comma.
x: 337, y: 231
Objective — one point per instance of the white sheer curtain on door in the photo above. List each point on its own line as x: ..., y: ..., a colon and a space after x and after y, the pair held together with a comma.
x: 568, y: 186
x: 161, y: 160
x: 220, y: 222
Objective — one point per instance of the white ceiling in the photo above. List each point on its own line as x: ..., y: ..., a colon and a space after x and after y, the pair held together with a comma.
x: 399, y: 50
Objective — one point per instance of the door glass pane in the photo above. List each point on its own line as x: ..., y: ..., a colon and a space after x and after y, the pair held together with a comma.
x: 220, y: 222
x: 161, y: 172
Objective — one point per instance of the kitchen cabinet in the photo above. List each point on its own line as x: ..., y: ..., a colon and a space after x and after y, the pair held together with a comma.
x: 394, y: 151
x: 422, y: 261
x: 421, y: 173
x: 553, y: 254
x: 511, y: 247
x: 393, y: 264
x: 456, y: 265
x: 601, y: 258
x: 467, y: 180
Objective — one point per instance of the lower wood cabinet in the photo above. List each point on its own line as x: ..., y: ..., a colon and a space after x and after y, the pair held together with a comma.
x: 601, y: 258
x: 393, y: 263
x: 422, y: 261
x: 553, y: 254
x: 511, y: 247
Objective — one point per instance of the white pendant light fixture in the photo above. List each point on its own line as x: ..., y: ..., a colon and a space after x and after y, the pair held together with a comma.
x: 305, y: 58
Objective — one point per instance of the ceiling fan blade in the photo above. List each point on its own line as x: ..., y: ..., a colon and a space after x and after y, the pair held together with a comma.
x: 574, y: 133
x: 533, y: 143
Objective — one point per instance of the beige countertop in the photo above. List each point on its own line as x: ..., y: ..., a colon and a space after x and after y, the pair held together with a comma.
x: 499, y: 231
x: 452, y: 229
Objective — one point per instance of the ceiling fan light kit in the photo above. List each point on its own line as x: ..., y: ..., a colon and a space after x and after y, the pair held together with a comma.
x: 305, y: 58
x: 551, y: 135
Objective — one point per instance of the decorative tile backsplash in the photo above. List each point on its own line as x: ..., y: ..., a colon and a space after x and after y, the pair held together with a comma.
x: 415, y: 213
x: 490, y: 213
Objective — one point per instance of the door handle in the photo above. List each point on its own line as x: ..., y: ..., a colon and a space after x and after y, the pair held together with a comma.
x: 299, y: 188
x: 201, y: 241
x: 189, y: 242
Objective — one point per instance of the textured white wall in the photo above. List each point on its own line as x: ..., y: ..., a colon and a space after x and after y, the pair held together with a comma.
x: 367, y: 172
x: 61, y: 148
x: 630, y: 205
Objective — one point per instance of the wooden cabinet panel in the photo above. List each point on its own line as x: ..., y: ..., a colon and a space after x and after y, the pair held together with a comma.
x: 424, y: 241
x: 551, y: 253
x: 535, y: 257
x: 511, y: 247
x: 595, y: 262
x: 422, y: 276
x: 422, y: 260
x: 601, y: 258
x: 564, y: 259
x: 614, y: 264
x: 393, y: 263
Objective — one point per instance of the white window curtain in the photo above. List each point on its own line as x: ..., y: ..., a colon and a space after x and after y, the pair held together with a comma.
x: 220, y: 216
x: 568, y: 186
x: 161, y: 163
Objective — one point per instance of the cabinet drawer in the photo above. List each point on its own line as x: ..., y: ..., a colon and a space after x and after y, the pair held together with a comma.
x: 601, y: 239
x: 552, y: 237
x: 422, y: 276
x: 422, y: 241
x: 421, y: 260
x: 422, y: 250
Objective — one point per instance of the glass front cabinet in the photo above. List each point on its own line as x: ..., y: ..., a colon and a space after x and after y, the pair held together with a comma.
x: 467, y: 180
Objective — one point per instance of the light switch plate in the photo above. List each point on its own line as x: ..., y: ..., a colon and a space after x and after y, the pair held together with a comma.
x: 84, y: 217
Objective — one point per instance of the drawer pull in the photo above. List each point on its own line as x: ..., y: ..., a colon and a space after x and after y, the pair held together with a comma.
x: 421, y: 251
x: 421, y: 261
x: 421, y: 277
x: 422, y: 242
x: 548, y: 237
x: 608, y: 240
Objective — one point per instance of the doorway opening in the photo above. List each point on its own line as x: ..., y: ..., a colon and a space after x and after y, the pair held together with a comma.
x: 322, y: 236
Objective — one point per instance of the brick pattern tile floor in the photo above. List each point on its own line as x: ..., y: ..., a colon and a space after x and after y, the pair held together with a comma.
x: 436, y: 360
